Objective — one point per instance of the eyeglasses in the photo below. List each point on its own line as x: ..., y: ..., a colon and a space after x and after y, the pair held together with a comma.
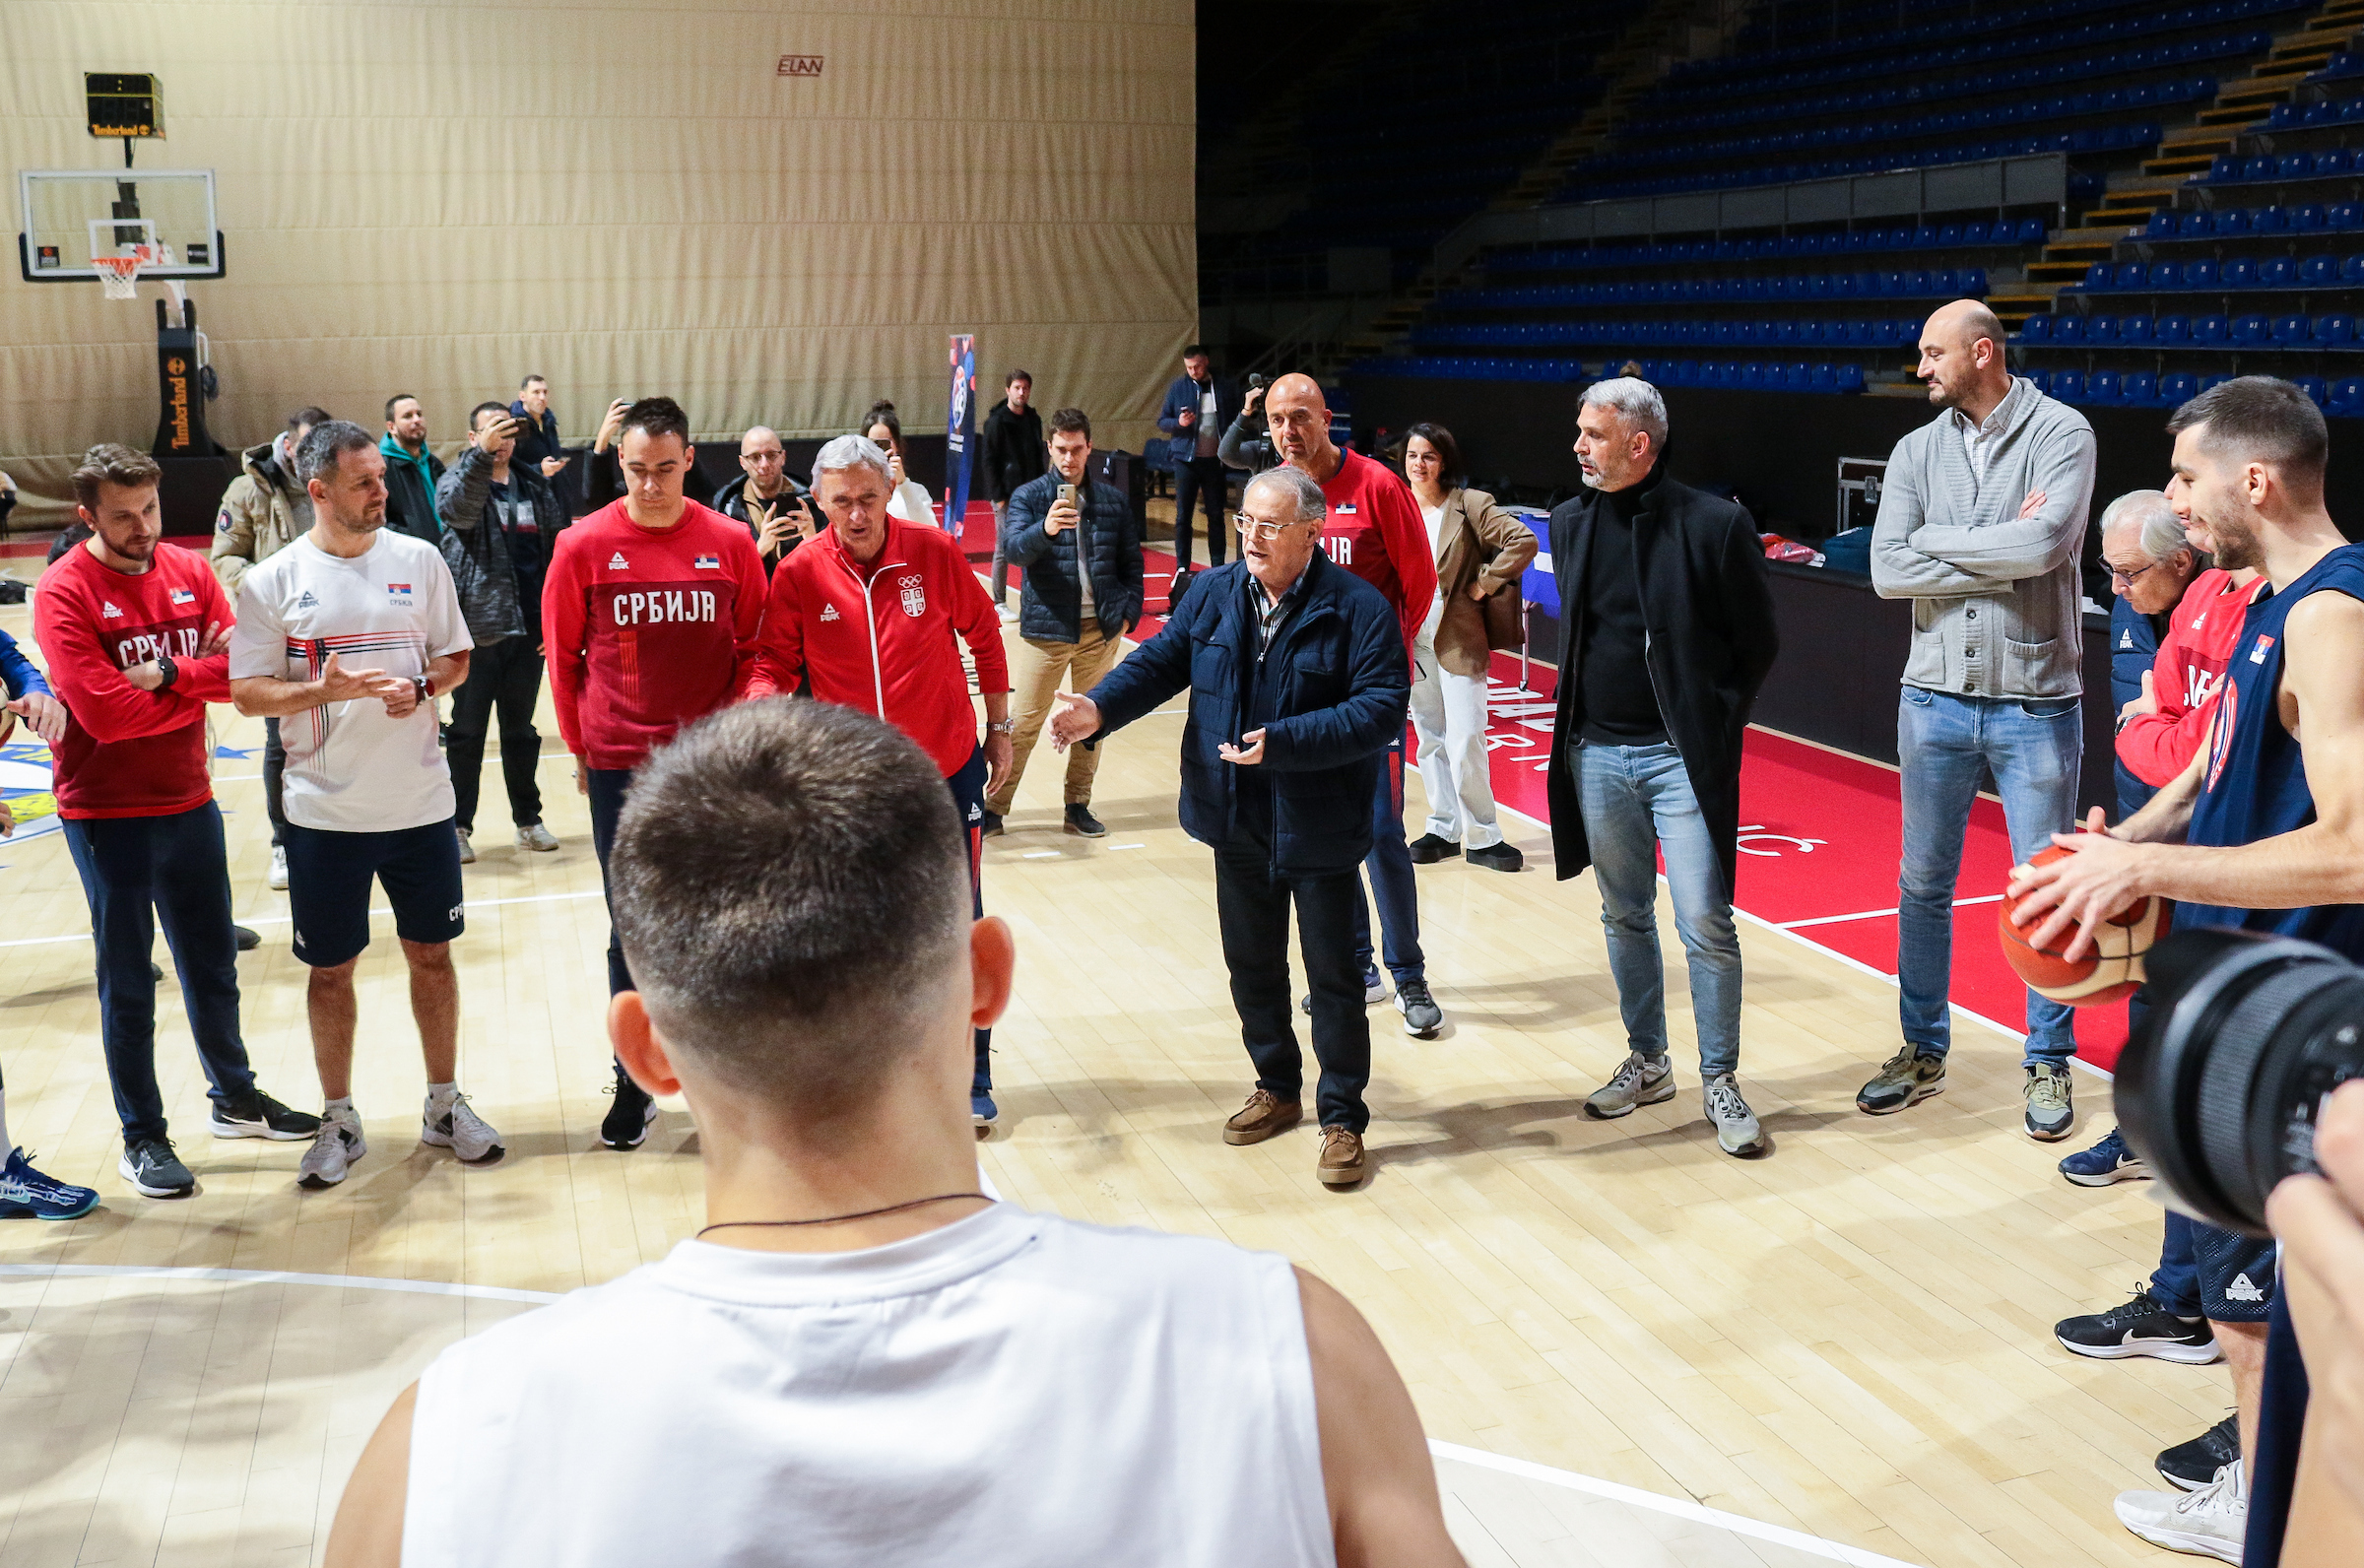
x: 2128, y: 577
x: 1259, y: 528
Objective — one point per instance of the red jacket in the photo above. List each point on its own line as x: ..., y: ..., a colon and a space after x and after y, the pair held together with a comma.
x: 647, y: 628
x: 2202, y: 632
x: 129, y: 752
x: 1375, y: 531
x: 886, y: 638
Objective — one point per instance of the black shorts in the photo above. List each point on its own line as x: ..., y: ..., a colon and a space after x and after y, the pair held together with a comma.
x: 2236, y: 1274
x: 328, y: 887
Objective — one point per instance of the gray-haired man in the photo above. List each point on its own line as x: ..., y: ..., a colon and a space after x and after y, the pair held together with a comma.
x: 1978, y: 525
x: 1667, y: 634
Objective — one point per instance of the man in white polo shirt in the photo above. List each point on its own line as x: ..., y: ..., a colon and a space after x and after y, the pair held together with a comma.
x: 346, y: 636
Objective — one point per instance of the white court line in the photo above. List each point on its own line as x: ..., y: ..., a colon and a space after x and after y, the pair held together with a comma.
x: 1632, y: 1496
x: 1874, y: 914
x: 281, y: 920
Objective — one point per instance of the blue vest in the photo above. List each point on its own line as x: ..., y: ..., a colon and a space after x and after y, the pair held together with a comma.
x: 2255, y: 783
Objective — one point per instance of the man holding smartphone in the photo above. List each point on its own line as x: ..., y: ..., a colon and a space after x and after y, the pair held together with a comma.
x: 775, y: 508
x: 1079, y: 547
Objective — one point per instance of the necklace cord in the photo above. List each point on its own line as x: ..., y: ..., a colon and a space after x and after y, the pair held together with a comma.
x: 839, y: 1219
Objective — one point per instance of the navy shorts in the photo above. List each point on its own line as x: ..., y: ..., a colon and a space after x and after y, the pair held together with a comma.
x: 328, y: 887
x: 2236, y: 1274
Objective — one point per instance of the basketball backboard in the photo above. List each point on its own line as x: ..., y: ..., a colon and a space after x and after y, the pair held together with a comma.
x: 72, y: 215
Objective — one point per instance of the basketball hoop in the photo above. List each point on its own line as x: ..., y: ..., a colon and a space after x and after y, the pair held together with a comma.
x: 119, y: 276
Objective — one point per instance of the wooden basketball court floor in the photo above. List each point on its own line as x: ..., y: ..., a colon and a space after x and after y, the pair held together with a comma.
x: 1629, y: 1349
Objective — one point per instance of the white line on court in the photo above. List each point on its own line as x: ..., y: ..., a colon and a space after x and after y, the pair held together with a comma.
x: 1874, y: 914
x: 1632, y: 1496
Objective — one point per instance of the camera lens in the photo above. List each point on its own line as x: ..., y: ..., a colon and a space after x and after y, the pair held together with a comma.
x: 2219, y: 1088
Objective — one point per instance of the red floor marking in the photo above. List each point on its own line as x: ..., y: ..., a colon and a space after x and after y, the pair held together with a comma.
x: 1820, y: 836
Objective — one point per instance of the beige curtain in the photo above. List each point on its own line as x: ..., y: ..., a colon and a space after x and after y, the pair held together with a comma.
x: 437, y: 198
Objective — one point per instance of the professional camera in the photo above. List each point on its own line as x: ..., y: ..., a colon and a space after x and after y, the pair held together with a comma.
x: 2221, y: 1087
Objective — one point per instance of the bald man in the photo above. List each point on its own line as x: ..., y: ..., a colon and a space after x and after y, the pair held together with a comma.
x: 1980, y: 523
x: 1375, y: 531
x: 771, y: 505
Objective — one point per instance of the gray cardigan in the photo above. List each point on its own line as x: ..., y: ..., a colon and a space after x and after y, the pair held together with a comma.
x: 1994, y: 596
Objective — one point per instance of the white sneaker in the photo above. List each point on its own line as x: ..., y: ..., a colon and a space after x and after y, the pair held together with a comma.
x: 533, y: 836
x: 1007, y: 612
x: 467, y: 848
x: 2208, y: 1523
x: 279, y: 868
x: 333, y: 1152
x: 457, y: 1128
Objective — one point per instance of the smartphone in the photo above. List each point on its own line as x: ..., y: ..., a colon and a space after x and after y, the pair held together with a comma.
x: 1067, y: 494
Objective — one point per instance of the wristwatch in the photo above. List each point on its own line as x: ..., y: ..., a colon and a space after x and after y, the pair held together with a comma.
x: 426, y: 689
x: 166, y: 672
x: 1001, y: 726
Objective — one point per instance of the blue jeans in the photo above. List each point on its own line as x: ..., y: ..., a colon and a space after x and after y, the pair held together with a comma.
x: 137, y: 871
x: 2035, y: 750
x: 2174, y: 1283
x: 1390, y: 866
x: 1637, y: 800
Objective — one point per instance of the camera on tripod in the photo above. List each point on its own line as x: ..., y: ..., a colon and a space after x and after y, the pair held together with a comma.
x: 2221, y: 1086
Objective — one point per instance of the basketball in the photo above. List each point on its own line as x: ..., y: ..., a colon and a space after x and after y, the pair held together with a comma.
x: 2112, y: 972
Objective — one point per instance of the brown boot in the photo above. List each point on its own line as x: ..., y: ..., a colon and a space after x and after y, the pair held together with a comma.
x: 1341, y: 1164
x: 1262, y: 1117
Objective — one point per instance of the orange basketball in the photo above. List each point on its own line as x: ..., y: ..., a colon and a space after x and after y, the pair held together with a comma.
x: 2111, y: 972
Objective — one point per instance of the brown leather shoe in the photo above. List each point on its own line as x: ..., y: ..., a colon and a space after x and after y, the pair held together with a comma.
x: 1264, y: 1116
x: 1341, y: 1164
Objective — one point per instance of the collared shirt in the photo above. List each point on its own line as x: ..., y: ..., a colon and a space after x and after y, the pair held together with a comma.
x: 1270, y: 611
x: 1977, y: 440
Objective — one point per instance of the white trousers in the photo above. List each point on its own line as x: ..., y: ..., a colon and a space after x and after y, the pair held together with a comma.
x: 1447, y: 714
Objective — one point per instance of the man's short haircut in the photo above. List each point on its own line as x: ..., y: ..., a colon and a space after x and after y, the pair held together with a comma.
x: 654, y: 418
x: 531, y: 379
x: 1977, y: 321
x: 2262, y: 418
x: 850, y: 451
x: 1063, y: 421
x: 1196, y: 351
x: 1016, y: 376
x: 1302, y: 491
x: 1634, y: 398
x: 2161, y: 532
x: 502, y: 408
x: 1448, y: 450
x: 306, y: 418
x: 400, y: 397
x: 323, y: 449
x: 792, y: 893
x: 111, y: 464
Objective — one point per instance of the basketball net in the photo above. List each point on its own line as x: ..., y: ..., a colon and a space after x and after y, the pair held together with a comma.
x: 119, y: 276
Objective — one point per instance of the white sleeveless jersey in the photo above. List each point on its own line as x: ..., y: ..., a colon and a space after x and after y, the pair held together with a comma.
x: 1011, y: 1389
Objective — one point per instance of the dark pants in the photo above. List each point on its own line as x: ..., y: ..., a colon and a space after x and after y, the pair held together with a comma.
x: 136, y: 870
x: 275, y: 771
x: 1252, y: 905
x: 503, y: 678
x: 969, y: 797
x: 1199, y: 478
x: 608, y: 788
x: 1392, y: 882
x: 2281, y: 1417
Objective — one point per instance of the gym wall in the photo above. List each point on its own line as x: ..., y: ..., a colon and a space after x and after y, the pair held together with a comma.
x: 438, y: 196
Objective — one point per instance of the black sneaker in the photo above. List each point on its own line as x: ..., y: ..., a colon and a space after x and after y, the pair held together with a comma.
x: 628, y: 1120
x: 2193, y: 1465
x: 1422, y: 1017
x: 2142, y: 1327
x: 1081, y: 820
x: 148, y: 1164
x: 989, y: 824
x: 1499, y: 857
x: 1428, y: 849
x: 260, y: 1116
x: 248, y: 941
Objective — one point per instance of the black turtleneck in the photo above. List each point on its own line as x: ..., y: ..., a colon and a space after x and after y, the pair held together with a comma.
x: 1620, y: 707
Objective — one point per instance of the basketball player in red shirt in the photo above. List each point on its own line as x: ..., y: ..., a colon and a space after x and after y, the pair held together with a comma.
x: 1374, y: 530
x: 649, y: 613
x: 870, y: 615
x: 136, y: 633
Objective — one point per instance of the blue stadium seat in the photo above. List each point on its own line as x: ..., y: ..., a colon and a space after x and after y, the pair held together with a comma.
x: 2131, y: 274
x: 1973, y: 235
x: 1850, y: 377
x: 2160, y: 226
x: 2200, y: 274
x: 2068, y: 385
x: 2135, y: 331
x: 2068, y: 329
x: 2276, y: 271
x: 2030, y: 232
x: 2240, y: 273
x: 2099, y: 277
x: 2291, y: 329
x: 2139, y: 388
x: 2178, y: 387
x: 2101, y: 329
x: 2195, y: 225
x: 2269, y: 221
x: 2336, y: 331
x: 1752, y: 377
x: 2166, y: 275
x: 2345, y: 215
x: 2307, y: 217
x: 2333, y: 161
x: 2102, y: 387
x: 1795, y: 377
x: 1972, y: 282
x: 2042, y: 380
x: 2036, y: 329
x: 2251, y: 329
x: 2231, y: 220
x: 2173, y: 328
x: 2348, y: 394
x: 2311, y: 386
x: 2260, y: 167
x: 2293, y: 165
x: 1917, y: 284
x: 1820, y: 378
x: 2318, y: 272
x: 2210, y: 329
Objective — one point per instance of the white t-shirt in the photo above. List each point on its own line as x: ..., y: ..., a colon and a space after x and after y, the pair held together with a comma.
x: 1013, y: 1388
x: 910, y: 504
x: 1434, y: 516
x: 352, y: 770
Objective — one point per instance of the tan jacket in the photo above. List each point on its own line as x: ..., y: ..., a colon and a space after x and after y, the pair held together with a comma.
x: 1476, y: 542
x: 262, y: 511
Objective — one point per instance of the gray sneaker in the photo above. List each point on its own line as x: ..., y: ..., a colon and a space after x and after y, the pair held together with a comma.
x: 466, y: 846
x: 460, y: 1130
x: 154, y: 1170
x: 1641, y: 1080
x: 1736, y: 1131
x: 333, y: 1152
x: 2051, y: 1111
x: 1906, y: 1079
x: 537, y: 839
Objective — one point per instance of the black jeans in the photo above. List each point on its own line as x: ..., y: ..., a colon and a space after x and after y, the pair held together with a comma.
x: 1202, y: 478
x: 275, y: 771
x: 1252, y: 905
x: 503, y: 678
x: 135, y: 869
x: 609, y: 786
x: 968, y: 799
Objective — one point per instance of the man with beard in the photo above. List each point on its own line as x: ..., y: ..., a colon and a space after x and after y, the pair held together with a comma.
x: 1980, y: 524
